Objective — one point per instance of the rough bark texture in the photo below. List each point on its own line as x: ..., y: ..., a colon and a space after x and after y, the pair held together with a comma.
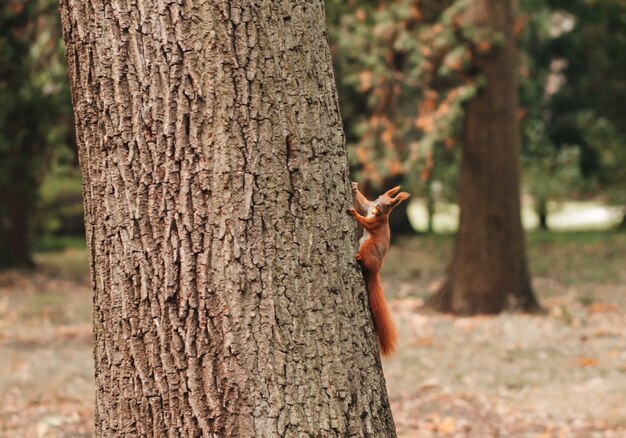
x: 488, y: 272
x: 227, y: 299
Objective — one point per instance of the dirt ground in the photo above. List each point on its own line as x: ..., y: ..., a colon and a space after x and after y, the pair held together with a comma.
x: 558, y: 375
x: 46, y: 365
x: 561, y: 374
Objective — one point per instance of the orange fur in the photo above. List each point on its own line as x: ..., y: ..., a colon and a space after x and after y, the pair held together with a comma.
x: 385, y: 329
x: 372, y: 250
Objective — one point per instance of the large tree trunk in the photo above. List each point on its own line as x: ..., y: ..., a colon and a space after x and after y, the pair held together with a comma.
x: 488, y: 271
x: 227, y: 299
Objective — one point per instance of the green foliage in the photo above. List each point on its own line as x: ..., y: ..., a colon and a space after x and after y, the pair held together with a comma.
x: 405, y: 71
x: 551, y: 174
x: 608, y: 144
x: 588, y: 109
x: 551, y: 171
x: 35, y: 110
x: 403, y: 77
x: 33, y: 91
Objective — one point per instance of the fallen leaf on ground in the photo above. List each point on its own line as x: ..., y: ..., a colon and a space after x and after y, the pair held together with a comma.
x: 587, y: 362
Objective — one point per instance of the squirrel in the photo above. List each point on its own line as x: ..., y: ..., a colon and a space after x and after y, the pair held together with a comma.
x: 373, y: 216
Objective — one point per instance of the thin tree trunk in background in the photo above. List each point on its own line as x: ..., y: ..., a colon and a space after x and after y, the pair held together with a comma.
x: 488, y: 272
x: 542, y: 213
x: 227, y: 299
x: 15, y: 211
x: 430, y: 207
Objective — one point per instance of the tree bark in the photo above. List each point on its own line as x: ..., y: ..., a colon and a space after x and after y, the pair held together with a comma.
x: 488, y: 271
x: 227, y: 301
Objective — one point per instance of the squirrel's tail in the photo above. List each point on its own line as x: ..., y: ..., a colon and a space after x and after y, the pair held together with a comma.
x: 386, y: 331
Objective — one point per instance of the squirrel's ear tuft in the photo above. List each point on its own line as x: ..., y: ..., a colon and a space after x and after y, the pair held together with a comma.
x: 402, y: 196
x: 393, y: 191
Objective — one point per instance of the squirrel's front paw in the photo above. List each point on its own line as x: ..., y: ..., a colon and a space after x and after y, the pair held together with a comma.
x: 355, y: 187
x: 351, y: 211
x: 357, y: 257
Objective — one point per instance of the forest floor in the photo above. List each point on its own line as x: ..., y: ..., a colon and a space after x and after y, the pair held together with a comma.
x: 559, y: 374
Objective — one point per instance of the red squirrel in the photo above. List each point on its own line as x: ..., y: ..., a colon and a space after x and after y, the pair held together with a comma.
x: 373, y: 216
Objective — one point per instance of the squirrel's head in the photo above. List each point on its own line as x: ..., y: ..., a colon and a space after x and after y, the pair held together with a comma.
x: 388, y: 201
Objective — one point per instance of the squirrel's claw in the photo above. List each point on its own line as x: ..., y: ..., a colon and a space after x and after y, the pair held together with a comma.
x: 351, y: 211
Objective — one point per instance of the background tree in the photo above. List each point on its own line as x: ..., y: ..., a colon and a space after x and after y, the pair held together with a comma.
x: 34, y: 115
x: 488, y: 271
x: 414, y: 65
x: 227, y: 299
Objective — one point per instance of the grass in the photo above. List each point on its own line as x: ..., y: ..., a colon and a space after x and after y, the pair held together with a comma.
x: 423, y: 257
x: 51, y: 243
x: 70, y: 264
x: 569, y: 258
x: 62, y: 257
x: 578, y: 257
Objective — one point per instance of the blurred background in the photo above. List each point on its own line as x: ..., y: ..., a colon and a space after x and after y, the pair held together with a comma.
x: 404, y: 72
